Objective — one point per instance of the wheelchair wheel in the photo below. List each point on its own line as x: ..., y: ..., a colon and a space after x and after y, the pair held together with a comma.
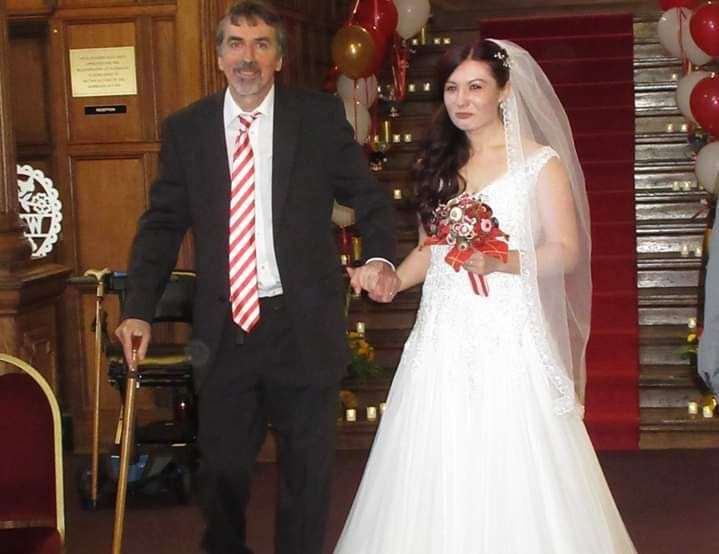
x: 183, y: 484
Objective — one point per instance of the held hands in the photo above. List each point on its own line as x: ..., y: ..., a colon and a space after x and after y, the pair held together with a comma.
x: 126, y: 330
x: 377, y: 278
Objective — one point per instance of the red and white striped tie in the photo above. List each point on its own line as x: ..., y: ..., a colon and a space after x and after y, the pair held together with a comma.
x: 244, y: 295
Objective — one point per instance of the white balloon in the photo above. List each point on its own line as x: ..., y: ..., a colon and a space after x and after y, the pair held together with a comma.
x: 707, y: 167
x: 684, y: 92
x: 411, y: 16
x: 358, y: 116
x: 363, y: 91
x: 668, y: 29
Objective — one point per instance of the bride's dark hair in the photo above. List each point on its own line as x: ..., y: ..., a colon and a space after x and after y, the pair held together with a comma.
x: 445, y: 149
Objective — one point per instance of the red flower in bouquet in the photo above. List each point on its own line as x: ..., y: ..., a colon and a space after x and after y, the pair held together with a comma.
x: 468, y: 225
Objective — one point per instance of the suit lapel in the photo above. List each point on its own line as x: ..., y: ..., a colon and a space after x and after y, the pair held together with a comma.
x: 218, y: 171
x: 285, y: 134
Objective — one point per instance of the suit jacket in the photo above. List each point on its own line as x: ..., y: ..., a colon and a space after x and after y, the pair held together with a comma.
x: 315, y: 160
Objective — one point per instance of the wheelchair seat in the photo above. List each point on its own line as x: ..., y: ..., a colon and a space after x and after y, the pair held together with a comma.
x: 166, y: 364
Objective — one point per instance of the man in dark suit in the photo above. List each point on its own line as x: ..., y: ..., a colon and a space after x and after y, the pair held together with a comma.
x: 269, y: 334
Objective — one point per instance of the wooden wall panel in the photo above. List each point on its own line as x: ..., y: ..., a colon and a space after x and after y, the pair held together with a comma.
x: 38, y: 332
x: 29, y: 73
x: 29, y: 8
x: 110, y: 194
x: 165, y: 66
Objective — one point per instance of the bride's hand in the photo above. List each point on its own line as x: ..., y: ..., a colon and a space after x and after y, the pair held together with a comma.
x: 481, y: 264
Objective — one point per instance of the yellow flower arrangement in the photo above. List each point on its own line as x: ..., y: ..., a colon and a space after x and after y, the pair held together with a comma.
x: 362, y: 365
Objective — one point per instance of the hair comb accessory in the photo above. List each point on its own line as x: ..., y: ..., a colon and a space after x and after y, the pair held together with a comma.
x: 504, y: 58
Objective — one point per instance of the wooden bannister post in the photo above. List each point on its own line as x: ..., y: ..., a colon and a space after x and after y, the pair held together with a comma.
x: 14, y: 247
x: 29, y: 289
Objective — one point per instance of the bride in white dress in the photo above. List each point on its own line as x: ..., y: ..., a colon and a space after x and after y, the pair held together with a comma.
x: 482, y: 448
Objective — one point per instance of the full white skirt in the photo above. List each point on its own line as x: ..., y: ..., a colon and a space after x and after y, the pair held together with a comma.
x: 470, y: 456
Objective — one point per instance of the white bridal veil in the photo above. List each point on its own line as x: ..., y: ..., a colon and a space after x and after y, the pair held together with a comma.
x: 558, y: 289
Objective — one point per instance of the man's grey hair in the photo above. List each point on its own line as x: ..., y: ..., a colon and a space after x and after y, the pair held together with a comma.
x: 251, y: 11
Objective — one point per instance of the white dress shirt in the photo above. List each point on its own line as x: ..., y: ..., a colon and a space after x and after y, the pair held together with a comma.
x: 261, y: 131
x: 261, y: 134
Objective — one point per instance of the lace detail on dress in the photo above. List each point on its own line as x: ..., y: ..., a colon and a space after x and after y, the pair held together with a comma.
x: 508, y: 324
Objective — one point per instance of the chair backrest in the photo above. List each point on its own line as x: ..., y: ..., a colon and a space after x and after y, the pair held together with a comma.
x: 31, y: 478
x: 174, y: 305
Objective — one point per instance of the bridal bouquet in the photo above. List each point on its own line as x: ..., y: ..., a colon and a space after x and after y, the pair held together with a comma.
x: 467, y: 224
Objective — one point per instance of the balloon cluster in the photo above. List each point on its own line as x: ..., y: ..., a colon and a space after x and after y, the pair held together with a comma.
x: 360, y: 47
x: 689, y: 30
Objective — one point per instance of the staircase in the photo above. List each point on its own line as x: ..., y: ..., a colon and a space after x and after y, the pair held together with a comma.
x: 667, y: 198
x: 667, y: 281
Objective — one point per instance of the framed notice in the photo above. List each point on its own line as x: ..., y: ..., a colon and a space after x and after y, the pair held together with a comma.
x: 103, y: 71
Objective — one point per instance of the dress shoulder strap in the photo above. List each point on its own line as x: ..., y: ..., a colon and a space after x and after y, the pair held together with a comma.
x: 538, y: 159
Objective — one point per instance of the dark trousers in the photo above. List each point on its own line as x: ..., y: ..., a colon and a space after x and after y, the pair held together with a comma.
x: 250, y: 386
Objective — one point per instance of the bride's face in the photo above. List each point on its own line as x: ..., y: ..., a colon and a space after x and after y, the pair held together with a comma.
x: 472, y: 96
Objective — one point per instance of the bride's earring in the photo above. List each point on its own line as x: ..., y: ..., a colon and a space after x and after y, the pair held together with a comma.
x: 503, y: 113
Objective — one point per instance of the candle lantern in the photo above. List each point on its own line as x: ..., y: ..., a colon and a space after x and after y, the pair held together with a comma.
x: 356, y: 248
x: 386, y: 130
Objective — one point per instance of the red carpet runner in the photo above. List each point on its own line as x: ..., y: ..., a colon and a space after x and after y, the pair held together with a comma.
x: 589, y: 59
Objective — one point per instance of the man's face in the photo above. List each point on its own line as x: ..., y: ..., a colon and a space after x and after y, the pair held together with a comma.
x: 249, y: 57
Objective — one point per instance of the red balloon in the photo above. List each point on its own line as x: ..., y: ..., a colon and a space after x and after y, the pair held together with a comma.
x: 704, y: 103
x: 379, y: 18
x: 381, y: 15
x: 704, y: 27
x: 669, y: 4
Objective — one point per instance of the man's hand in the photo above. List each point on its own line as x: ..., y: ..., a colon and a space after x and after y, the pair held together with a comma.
x: 377, y: 278
x: 126, y: 330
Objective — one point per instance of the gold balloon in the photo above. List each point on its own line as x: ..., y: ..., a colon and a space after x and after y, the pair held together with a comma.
x: 353, y: 51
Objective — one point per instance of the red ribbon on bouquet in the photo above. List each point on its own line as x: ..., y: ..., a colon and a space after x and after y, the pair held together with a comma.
x: 469, y: 226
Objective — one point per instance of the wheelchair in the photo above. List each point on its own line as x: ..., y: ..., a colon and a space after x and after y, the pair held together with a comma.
x: 156, y: 458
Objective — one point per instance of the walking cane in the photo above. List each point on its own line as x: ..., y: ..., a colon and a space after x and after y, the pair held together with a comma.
x: 128, y: 428
x: 99, y: 276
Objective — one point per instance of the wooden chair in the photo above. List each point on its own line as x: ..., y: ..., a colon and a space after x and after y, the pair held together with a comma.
x: 32, y: 512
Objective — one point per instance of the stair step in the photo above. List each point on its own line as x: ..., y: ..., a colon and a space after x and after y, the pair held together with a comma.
x: 658, y: 375
x: 657, y: 72
x: 675, y: 393
x: 689, y: 210
x: 665, y: 180
x: 660, y: 148
x: 674, y: 428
